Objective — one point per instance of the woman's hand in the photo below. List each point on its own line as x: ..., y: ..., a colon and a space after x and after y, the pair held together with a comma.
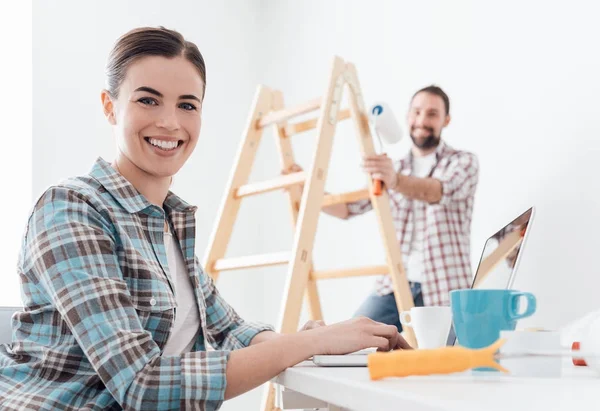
x: 355, y: 335
x: 311, y: 324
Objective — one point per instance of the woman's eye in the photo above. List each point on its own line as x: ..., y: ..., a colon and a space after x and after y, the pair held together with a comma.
x: 187, y: 106
x: 148, y: 101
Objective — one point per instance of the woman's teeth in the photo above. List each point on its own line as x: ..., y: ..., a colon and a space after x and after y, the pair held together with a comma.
x: 165, y: 145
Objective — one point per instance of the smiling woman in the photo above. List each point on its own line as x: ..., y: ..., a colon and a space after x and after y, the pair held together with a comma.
x: 156, y: 84
x: 117, y: 310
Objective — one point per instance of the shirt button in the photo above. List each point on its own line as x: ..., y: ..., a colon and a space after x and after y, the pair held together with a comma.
x: 152, y: 302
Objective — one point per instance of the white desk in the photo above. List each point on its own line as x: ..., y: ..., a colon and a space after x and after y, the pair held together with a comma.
x: 308, y: 386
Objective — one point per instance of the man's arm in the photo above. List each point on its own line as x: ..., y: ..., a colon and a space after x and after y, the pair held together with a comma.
x: 422, y: 189
x: 458, y: 181
x: 337, y: 210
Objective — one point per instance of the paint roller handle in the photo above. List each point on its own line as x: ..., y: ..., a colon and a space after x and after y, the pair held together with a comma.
x: 377, y: 187
x: 446, y: 360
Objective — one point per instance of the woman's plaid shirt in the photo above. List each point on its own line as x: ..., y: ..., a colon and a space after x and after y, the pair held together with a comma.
x: 99, y: 305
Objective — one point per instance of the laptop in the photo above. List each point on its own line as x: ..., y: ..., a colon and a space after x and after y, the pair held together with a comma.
x: 497, y: 269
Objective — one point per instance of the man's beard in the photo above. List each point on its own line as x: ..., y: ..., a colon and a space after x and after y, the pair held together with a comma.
x: 431, y: 141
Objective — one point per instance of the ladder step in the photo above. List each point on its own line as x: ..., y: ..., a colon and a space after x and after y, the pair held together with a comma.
x: 349, y: 197
x: 259, y: 260
x: 303, y: 126
x: 350, y: 272
x: 287, y: 113
x: 271, y: 185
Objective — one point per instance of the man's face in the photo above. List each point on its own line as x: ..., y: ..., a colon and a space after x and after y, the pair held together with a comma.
x: 426, y: 119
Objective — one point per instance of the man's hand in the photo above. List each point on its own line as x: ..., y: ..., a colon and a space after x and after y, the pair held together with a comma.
x: 294, y: 168
x: 380, y: 167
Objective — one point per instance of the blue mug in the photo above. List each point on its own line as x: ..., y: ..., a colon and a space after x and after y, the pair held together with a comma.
x: 480, y: 315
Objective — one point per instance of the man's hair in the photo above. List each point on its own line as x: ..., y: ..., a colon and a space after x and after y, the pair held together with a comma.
x: 436, y: 91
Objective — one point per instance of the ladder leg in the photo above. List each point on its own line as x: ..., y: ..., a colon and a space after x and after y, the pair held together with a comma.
x: 286, y: 159
x: 381, y: 206
x: 313, y: 302
x: 311, y: 204
x: 268, y: 398
x: 306, y: 222
x: 230, y: 205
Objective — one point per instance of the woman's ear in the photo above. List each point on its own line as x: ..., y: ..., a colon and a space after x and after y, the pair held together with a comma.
x: 108, y: 107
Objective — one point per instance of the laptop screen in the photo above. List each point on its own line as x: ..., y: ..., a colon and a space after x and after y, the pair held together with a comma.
x: 500, y: 258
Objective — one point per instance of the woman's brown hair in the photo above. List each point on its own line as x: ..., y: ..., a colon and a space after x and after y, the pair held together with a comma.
x: 149, y: 41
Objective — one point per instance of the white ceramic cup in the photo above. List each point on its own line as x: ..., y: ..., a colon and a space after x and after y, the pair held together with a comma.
x: 521, y: 340
x: 431, y: 325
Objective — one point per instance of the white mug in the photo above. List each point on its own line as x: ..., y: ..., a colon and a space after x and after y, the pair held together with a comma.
x: 520, y: 341
x: 431, y: 325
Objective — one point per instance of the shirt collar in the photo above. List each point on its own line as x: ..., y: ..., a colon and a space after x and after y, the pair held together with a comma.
x: 127, y: 195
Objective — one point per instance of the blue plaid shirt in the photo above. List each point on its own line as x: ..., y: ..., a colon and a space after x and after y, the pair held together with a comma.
x: 99, y: 306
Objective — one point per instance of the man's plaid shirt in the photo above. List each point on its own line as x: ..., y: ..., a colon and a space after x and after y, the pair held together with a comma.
x: 99, y: 306
x: 447, y: 225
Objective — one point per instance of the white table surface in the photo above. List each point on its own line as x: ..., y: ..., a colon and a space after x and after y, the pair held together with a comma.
x: 351, y: 388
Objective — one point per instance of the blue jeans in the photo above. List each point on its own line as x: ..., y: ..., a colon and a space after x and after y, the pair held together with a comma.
x: 383, y: 308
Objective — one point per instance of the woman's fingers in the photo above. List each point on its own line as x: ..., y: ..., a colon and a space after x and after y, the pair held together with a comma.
x: 384, y: 330
x: 389, y: 332
x: 402, y: 344
x: 381, y: 343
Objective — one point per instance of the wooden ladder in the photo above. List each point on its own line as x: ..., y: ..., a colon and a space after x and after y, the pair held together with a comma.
x: 305, y: 204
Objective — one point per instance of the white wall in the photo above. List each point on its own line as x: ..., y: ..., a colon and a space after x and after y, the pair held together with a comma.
x: 15, y: 167
x: 523, y: 81
x: 525, y: 97
x: 71, y: 41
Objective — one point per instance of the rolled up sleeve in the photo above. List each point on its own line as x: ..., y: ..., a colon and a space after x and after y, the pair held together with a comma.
x: 359, y: 207
x: 459, y: 180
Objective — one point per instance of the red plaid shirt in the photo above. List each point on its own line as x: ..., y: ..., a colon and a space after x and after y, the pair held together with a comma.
x: 446, y: 248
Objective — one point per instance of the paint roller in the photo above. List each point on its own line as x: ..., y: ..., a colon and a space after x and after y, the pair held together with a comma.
x: 386, y: 128
x: 445, y: 360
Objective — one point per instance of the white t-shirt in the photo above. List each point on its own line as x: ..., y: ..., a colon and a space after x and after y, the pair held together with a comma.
x: 187, y: 319
x: 421, y: 167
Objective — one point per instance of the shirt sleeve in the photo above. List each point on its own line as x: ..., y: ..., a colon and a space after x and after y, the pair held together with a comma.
x: 225, y: 330
x: 359, y: 207
x: 460, y: 178
x: 70, y: 252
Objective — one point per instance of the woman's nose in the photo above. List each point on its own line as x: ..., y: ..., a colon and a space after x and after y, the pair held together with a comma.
x: 168, y: 120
